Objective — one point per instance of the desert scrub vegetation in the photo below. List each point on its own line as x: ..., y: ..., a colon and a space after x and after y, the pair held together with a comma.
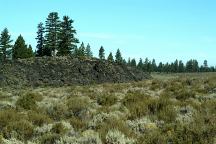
x: 180, y: 109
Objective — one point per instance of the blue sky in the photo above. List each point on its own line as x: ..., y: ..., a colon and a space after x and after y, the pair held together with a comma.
x: 162, y: 29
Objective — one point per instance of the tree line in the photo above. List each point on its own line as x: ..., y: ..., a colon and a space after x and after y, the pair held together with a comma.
x: 150, y: 66
x: 57, y: 37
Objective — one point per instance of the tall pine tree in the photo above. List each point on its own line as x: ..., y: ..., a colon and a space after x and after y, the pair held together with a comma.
x: 110, y: 57
x: 67, y: 40
x: 89, y: 53
x: 101, y: 53
x: 20, y: 49
x: 5, y: 43
x: 133, y: 63
x: 40, y: 40
x: 181, y: 67
x: 140, y: 64
x: 52, y: 34
x: 118, y: 57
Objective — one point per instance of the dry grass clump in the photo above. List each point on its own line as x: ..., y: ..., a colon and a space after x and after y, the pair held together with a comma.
x: 113, y: 123
x: 28, y: 101
x: 143, y: 105
x: 107, y: 100
x: 21, y: 129
x: 78, y: 106
x: 38, y: 119
x: 57, y: 111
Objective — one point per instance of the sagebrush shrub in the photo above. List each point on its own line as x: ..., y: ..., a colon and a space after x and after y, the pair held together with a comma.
x: 28, y: 101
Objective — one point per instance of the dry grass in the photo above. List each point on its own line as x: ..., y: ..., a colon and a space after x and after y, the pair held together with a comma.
x: 177, y: 108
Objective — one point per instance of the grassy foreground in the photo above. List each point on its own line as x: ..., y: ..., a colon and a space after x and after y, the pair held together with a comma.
x: 169, y: 109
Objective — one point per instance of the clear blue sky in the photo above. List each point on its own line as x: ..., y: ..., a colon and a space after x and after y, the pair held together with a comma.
x: 162, y: 29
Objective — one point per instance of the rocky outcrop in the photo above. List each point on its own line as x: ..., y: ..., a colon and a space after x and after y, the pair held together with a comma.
x: 65, y: 71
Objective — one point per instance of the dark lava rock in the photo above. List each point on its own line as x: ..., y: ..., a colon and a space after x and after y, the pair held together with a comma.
x: 66, y: 71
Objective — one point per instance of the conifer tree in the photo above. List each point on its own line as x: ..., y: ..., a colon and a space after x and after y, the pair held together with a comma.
x: 160, y: 67
x: 149, y: 67
x: 5, y: 43
x: 176, y: 66
x: 20, y: 49
x: 52, y: 34
x: 101, y: 53
x: 133, y: 63
x: 67, y: 40
x: 129, y: 62
x: 181, y: 67
x: 118, y: 57
x: 29, y: 52
x: 124, y: 62
x: 88, y: 51
x: 146, y: 65
x: 40, y: 40
x: 110, y: 57
x: 195, y: 67
x: 189, y: 66
x: 140, y: 64
x: 154, y: 65
x: 205, y: 65
x: 82, y: 50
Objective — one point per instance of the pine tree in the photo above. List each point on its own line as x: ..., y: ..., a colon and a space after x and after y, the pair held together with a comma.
x: 40, y: 40
x: 166, y: 68
x: 52, y: 34
x: 101, y: 53
x: 29, y: 52
x: 133, y: 63
x: 118, y: 57
x: 149, y: 67
x: 160, y: 67
x: 5, y: 43
x: 176, y: 66
x: 195, y: 67
x: 154, y: 65
x: 20, y: 49
x: 145, y: 65
x: 88, y: 51
x: 124, y: 62
x: 205, y: 65
x: 189, y: 66
x: 129, y: 62
x: 140, y: 64
x: 110, y: 57
x: 82, y: 50
x: 67, y: 40
x: 181, y: 67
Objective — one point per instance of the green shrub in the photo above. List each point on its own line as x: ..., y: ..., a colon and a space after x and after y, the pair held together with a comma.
x: 78, y: 124
x: 113, y: 123
x: 136, y: 104
x: 184, y: 94
x: 59, y: 128
x: 22, y: 128
x: 38, y: 119
x: 50, y: 138
x: 8, y: 116
x: 107, y: 100
x: 76, y: 105
x: 28, y: 101
x: 152, y: 137
x: 58, y: 111
x: 156, y: 84
x: 1, y: 139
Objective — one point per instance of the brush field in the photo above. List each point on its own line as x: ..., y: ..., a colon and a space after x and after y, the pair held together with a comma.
x: 168, y: 109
